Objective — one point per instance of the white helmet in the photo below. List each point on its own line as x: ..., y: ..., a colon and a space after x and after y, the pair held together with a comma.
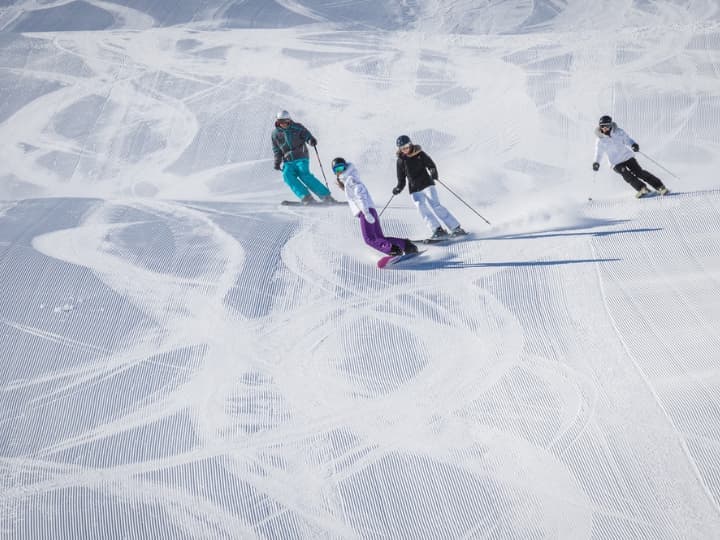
x: 282, y: 115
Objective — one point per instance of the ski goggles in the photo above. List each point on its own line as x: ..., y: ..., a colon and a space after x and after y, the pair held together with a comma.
x: 340, y: 167
x: 406, y: 147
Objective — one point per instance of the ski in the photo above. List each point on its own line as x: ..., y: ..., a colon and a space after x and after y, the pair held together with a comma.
x: 657, y: 193
x: 612, y: 199
x: 443, y: 239
x: 389, y: 260
x: 433, y: 240
x: 314, y: 204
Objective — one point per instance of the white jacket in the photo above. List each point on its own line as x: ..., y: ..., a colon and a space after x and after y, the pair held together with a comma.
x: 358, y: 197
x: 616, y: 145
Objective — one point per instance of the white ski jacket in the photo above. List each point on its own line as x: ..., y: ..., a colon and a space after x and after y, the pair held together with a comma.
x: 358, y: 197
x: 616, y: 145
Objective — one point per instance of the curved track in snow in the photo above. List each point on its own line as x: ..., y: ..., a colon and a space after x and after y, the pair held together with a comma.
x: 181, y: 357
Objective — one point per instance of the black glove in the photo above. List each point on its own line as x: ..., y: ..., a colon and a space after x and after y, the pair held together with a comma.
x: 396, y: 190
x: 433, y: 174
x: 312, y: 141
x: 596, y: 166
x: 635, y: 147
x: 277, y: 166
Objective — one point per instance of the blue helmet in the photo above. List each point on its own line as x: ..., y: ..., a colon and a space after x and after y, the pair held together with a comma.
x: 402, y: 140
x: 338, y: 165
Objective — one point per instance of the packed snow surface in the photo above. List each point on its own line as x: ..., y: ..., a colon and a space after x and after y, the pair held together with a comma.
x: 182, y: 357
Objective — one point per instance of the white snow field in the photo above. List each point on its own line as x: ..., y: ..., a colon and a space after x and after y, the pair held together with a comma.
x: 182, y: 357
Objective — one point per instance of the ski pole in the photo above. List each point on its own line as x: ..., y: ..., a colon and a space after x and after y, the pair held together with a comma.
x: 592, y: 186
x: 656, y: 163
x: 321, y: 167
x: 462, y: 201
x: 388, y: 204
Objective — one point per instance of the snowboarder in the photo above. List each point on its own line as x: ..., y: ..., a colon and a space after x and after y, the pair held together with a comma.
x: 420, y: 171
x: 619, y: 147
x: 363, y: 207
x: 289, y: 144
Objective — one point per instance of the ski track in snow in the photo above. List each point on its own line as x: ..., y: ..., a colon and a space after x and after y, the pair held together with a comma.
x: 183, y: 358
x: 294, y: 397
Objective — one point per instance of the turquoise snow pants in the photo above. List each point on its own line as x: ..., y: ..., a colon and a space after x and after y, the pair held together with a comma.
x: 299, y: 179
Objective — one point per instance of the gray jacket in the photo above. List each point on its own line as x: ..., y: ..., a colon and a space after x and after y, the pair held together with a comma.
x: 289, y: 143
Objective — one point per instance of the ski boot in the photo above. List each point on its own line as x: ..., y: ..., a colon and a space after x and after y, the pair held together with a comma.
x: 395, y: 251
x: 438, y: 234
x: 410, y: 247
x: 458, y: 231
x: 307, y: 199
x: 641, y: 192
x: 663, y: 190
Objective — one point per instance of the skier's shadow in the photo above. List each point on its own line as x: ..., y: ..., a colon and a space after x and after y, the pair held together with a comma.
x: 525, y: 236
x: 577, y: 230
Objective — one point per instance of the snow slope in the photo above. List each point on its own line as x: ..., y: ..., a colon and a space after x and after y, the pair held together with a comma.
x: 181, y: 357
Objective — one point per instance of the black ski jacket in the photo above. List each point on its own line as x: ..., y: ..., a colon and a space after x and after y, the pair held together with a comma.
x: 417, y: 167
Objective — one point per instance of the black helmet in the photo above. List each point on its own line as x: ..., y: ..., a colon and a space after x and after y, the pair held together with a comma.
x: 402, y: 140
x: 338, y: 165
x: 605, y: 121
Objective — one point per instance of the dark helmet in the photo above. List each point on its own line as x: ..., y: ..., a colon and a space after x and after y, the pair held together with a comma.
x: 402, y: 140
x: 605, y: 121
x: 338, y: 165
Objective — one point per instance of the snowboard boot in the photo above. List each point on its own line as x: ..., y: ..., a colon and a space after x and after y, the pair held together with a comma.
x: 458, y: 231
x: 395, y: 251
x: 641, y: 192
x: 438, y: 233
x: 410, y: 247
x: 307, y: 199
x: 663, y: 190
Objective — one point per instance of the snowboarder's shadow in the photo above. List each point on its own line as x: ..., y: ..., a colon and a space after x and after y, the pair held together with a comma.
x: 454, y: 263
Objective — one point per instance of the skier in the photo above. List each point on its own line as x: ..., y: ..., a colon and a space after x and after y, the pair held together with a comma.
x: 362, y: 206
x: 421, y: 173
x: 619, y: 147
x: 289, y: 144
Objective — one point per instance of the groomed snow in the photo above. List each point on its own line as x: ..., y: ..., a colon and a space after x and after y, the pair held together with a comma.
x: 182, y: 357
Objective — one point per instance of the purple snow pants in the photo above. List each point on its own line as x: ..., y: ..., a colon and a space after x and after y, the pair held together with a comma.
x: 374, y: 237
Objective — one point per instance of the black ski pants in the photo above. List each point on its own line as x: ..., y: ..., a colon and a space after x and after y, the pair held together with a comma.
x: 634, y: 175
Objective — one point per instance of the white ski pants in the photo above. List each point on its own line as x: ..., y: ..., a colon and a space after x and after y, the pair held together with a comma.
x: 432, y: 212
